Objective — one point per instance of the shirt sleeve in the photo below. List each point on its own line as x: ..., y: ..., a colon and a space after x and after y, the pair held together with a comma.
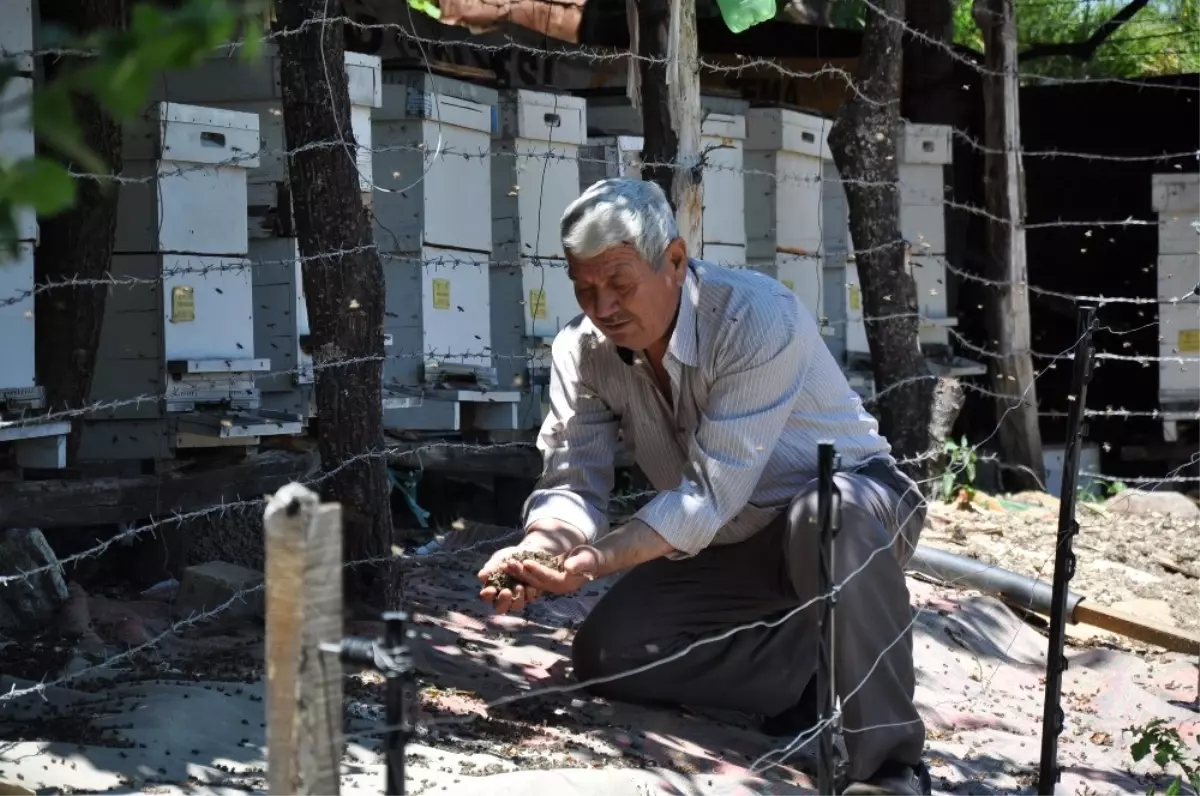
x: 578, y: 441
x: 759, y: 371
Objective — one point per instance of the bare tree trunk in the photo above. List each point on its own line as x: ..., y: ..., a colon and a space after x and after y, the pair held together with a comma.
x: 671, y: 114
x: 77, y: 244
x: 1012, y: 367
x: 344, y: 291
x: 864, y: 146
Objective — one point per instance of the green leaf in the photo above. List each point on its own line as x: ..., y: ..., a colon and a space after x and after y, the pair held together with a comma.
x: 38, y: 183
x: 1140, y: 748
x: 1175, y: 788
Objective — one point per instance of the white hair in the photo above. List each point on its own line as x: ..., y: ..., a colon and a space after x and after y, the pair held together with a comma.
x: 619, y: 211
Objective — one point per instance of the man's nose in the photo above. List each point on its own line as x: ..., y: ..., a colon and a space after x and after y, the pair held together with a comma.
x: 608, y: 303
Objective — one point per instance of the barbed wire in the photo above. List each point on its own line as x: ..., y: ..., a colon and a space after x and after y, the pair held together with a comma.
x: 775, y: 757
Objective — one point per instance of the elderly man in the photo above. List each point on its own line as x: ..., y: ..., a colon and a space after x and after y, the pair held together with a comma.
x: 720, y: 383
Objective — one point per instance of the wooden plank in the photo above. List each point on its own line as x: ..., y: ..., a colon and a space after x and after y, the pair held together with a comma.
x: 304, y: 611
x: 519, y: 461
x: 1123, y: 624
x: 100, y: 501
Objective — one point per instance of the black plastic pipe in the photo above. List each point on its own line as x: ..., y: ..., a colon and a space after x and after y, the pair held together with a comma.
x: 1012, y: 587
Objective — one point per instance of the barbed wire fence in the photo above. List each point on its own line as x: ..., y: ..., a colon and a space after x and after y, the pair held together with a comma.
x: 461, y: 556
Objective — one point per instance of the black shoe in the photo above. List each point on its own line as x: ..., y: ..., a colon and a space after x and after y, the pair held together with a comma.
x: 796, y: 719
x: 894, y: 778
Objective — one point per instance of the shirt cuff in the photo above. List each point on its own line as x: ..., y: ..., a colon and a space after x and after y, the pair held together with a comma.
x: 682, y: 520
x: 566, y: 507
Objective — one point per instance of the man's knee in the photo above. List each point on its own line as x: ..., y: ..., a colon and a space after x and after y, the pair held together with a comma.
x: 594, y: 651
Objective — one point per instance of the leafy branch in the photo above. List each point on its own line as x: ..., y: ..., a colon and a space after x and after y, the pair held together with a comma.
x: 117, y: 74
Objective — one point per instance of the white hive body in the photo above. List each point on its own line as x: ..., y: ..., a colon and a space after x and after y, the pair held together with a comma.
x: 176, y: 360
x: 925, y: 151
x: 280, y: 314
x: 35, y: 444
x: 433, y: 227
x: 783, y: 161
x: 535, y: 175
x: 17, y: 34
x: 1176, y: 199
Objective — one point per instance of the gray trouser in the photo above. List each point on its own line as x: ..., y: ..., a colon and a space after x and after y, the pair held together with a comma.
x: 662, y: 606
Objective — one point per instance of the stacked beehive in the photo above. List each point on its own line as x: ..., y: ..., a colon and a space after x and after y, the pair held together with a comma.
x: 35, y: 444
x: 433, y: 190
x: 176, y: 356
x: 1176, y: 199
x: 281, y: 315
x: 535, y: 176
x: 784, y: 213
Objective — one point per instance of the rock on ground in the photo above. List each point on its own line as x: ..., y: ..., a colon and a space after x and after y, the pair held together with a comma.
x: 32, y: 602
x: 1143, y: 503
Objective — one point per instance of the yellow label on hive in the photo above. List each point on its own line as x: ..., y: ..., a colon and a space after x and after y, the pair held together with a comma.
x: 1189, y: 341
x: 183, y: 304
x: 855, y: 298
x: 537, y: 305
x: 789, y: 284
x: 441, y: 294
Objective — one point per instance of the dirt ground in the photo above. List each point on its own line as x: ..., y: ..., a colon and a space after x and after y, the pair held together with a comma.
x: 108, y: 721
x: 1121, y: 553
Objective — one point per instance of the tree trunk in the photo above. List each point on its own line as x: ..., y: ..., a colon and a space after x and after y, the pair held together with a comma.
x: 77, y: 244
x: 345, y: 292
x: 864, y: 146
x: 671, y: 114
x: 1012, y: 367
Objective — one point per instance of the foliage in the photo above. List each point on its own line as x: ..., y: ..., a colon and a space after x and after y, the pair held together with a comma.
x: 118, y: 77
x: 1161, y: 742
x: 1161, y: 39
x: 958, y: 479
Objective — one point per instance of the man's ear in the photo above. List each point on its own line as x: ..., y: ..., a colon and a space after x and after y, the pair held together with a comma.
x: 677, y: 256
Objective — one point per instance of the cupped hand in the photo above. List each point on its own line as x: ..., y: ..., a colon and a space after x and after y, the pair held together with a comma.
x: 506, y: 600
x: 579, y: 566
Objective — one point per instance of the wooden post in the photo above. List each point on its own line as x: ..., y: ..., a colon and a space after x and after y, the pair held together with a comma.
x: 671, y: 112
x: 1012, y: 367
x: 304, y: 610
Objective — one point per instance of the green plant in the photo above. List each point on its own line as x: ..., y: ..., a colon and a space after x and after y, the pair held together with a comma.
x: 1114, y: 488
x: 959, y: 476
x: 118, y: 76
x: 1161, y: 742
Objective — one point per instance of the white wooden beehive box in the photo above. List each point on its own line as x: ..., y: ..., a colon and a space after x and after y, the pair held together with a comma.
x: 783, y: 160
x: 535, y: 169
x: 254, y: 87
x: 16, y: 34
x: 185, y: 181
x: 1176, y: 199
x: 16, y: 319
x: 433, y: 170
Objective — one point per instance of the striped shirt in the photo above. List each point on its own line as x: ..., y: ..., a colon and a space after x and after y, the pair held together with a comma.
x: 754, y: 389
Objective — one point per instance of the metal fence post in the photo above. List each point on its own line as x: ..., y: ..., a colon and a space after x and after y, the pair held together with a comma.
x: 829, y: 512
x: 1064, y: 556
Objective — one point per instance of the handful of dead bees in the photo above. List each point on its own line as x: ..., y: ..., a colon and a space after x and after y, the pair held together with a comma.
x: 502, y: 580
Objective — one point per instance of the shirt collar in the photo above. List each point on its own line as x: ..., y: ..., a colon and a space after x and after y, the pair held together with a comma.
x: 683, y: 339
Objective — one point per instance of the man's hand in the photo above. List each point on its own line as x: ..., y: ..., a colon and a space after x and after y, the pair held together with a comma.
x: 505, y: 600
x: 550, y: 537
x: 579, y: 566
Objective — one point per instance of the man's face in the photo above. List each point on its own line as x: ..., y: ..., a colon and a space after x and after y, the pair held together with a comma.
x: 628, y: 300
